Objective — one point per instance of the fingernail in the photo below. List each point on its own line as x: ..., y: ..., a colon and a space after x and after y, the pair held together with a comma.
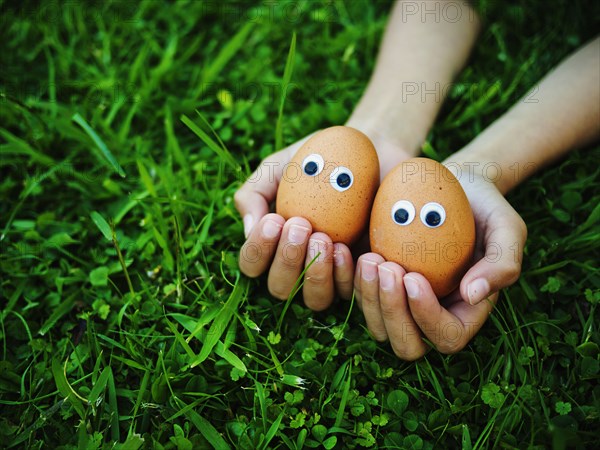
x: 298, y: 234
x: 248, y: 223
x: 478, y: 290
x: 412, y: 288
x: 271, y: 229
x: 368, y: 270
x: 314, y: 247
x: 387, y: 278
x: 338, y: 258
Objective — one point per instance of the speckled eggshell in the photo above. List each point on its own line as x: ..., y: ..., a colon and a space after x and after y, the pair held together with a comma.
x: 442, y: 254
x: 341, y: 215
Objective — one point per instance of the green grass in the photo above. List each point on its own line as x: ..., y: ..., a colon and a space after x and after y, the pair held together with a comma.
x: 127, y: 128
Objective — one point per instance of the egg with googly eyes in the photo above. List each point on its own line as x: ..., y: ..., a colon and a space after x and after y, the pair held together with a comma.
x: 422, y: 220
x: 331, y: 181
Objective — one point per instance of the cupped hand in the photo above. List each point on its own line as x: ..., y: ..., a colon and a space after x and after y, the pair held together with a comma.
x: 402, y: 307
x: 286, y: 248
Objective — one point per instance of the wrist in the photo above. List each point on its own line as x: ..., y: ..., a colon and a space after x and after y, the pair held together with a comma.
x: 384, y: 136
x: 390, y: 150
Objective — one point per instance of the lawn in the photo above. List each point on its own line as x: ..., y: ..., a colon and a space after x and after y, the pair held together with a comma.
x: 127, y: 127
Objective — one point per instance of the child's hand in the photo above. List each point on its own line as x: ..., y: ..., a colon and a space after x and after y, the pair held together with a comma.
x: 285, y: 248
x: 402, y: 307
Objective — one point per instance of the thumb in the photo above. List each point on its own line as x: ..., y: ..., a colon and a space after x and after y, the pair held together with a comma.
x: 504, y: 239
x: 259, y: 190
x: 252, y: 200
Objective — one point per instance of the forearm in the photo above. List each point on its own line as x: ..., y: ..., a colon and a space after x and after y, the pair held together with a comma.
x: 424, y: 47
x: 560, y: 114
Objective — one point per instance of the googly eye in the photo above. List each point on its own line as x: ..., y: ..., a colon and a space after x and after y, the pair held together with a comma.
x: 433, y: 215
x: 313, y: 164
x: 403, y: 212
x: 341, y: 178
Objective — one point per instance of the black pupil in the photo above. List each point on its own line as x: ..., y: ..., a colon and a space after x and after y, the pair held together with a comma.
x: 343, y: 180
x: 311, y: 168
x: 433, y: 218
x: 401, y: 216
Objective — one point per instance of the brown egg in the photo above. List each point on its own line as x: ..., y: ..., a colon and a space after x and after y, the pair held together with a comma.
x: 422, y: 220
x: 331, y: 182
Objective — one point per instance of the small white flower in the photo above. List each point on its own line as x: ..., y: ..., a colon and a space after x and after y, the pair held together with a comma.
x: 293, y: 380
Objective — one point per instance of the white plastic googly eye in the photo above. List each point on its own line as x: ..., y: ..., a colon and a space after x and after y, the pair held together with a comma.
x: 403, y: 212
x: 313, y: 165
x: 433, y: 215
x: 341, y: 178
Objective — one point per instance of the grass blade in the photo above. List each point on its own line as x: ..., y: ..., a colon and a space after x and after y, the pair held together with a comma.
x: 30, y: 186
x: 591, y: 221
x: 225, y: 55
x: 139, y: 399
x: 99, y: 386
x: 102, y: 225
x: 433, y: 379
x: 145, y: 178
x: 129, y: 362
x: 260, y: 395
x: 204, y: 427
x: 340, y: 413
x: 106, y: 153
x: 60, y: 311
x: 65, y: 389
x: 17, y: 146
x: 220, y: 324
x: 466, y: 437
x: 45, y: 416
x: 287, y: 76
x: 194, y: 327
x: 114, y: 408
x: 133, y: 442
x: 206, y: 223
x: 179, y: 338
x: 230, y: 357
x: 174, y: 149
x: 168, y: 261
x: 273, y: 429
x: 220, y: 150
x: 297, y: 286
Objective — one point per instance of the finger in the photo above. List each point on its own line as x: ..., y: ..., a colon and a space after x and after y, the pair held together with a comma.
x: 356, y: 283
x: 260, y: 189
x: 473, y: 317
x: 501, y: 265
x: 447, y: 331
x: 318, y: 290
x: 253, y: 198
x: 369, y: 289
x: 343, y: 270
x: 288, y: 263
x: 402, y: 331
x: 257, y: 252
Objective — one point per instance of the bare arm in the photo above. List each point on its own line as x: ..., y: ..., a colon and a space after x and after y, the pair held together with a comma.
x: 425, y: 45
x: 531, y: 134
x: 561, y: 113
